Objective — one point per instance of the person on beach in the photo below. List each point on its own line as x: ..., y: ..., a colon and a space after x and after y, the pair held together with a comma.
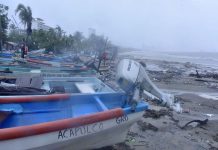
x: 26, y: 50
x: 104, y: 57
x: 22, y: 50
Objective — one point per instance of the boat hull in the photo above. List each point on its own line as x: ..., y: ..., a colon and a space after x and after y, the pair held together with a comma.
x: 95, y: 135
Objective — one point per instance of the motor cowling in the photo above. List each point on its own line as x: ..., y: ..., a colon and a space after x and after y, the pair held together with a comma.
x: 132, y: 75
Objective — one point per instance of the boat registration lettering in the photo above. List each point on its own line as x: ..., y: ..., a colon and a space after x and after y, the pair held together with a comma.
x: 80, y: 131
x: 121, y: 119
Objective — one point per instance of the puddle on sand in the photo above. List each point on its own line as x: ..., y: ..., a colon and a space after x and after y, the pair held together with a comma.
x: 212, y: 97
x: 211, y: 116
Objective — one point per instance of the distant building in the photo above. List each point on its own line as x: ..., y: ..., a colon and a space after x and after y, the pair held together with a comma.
x: 10, y: 45
x: 38, y: 24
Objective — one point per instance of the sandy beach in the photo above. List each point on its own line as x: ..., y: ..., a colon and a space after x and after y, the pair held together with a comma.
x: 161, y: 128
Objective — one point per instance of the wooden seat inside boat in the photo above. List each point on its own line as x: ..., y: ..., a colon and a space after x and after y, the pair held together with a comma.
x: 85, y: 87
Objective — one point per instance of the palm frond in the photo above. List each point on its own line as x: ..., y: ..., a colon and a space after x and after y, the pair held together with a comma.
x: 20, y: 7
x: 25, y: 15
x: 29, y: 12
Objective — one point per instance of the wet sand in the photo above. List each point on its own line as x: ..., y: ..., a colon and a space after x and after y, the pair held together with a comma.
x: 163, y: 128
x: 170, y: 135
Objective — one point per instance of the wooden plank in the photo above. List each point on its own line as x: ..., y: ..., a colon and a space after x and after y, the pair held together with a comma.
x: 85, y: 88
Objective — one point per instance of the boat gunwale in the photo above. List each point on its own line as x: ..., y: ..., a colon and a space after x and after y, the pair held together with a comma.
x: 35, y: 98
x: 51, y: 97
x: 42, y: 128
x: 38, y: 62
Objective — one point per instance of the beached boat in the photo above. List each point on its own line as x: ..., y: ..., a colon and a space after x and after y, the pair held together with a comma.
x: 27, y: 62
x: 91, y: 117
x: 6, y: 54
x: 48, y: 69
x: 4, y: 61
x: 21, y: 85
x: 46, y: 72
x: 36, y: 63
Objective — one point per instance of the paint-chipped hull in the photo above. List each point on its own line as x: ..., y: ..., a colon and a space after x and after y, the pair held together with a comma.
x: 90, y: 136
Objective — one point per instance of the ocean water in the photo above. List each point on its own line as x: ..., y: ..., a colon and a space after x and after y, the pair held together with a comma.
x: 207, y: 59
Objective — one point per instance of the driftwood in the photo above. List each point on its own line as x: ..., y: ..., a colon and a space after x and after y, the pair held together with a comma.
x: 200, y: 122
x: 206, y: 80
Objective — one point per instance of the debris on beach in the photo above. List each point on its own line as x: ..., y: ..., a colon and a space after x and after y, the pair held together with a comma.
x: 134, y: 134
x: 157, y: 114
x: 212, y: 75
x: 215, y: 137
x: 121, y: 146
x: 146, y: 126
x: 199, y: 123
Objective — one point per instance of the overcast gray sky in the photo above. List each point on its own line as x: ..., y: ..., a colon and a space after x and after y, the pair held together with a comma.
x: 170, y: 25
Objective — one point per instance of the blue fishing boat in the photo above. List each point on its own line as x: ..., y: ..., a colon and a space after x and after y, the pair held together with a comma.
x: 86, y: 116
x: 6, y: 54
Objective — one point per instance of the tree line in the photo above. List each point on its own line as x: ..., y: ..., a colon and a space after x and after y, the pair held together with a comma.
x: 53, y: 39
x: 4, y: 21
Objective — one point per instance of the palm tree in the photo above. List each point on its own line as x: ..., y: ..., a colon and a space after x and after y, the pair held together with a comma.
x: 78, y: 38
x: 3, y: 24
x: 25, y: 15
x: 59, y: 31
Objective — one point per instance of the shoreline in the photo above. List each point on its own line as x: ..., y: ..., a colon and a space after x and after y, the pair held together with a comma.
x: 162, y: 128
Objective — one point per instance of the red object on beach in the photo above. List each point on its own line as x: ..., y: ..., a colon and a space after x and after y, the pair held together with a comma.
x: 39, y: 62
x: 26, y: 50
x: 104, y: 55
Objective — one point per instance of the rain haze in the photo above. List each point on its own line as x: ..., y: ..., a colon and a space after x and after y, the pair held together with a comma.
x: 109, y: 74
x: 161, y: 25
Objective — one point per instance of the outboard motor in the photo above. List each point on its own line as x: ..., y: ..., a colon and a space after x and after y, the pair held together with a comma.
x: 133, y: 79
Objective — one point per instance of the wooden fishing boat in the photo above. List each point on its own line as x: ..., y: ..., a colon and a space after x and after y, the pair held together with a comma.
x: 86, y: 119
x: 65, y: 70
x: 34, y: 63
x: 27, y: 62
x: 46, y: 58
x: 6, y: 54
x: 49, y: 85
x: 4, y: 61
